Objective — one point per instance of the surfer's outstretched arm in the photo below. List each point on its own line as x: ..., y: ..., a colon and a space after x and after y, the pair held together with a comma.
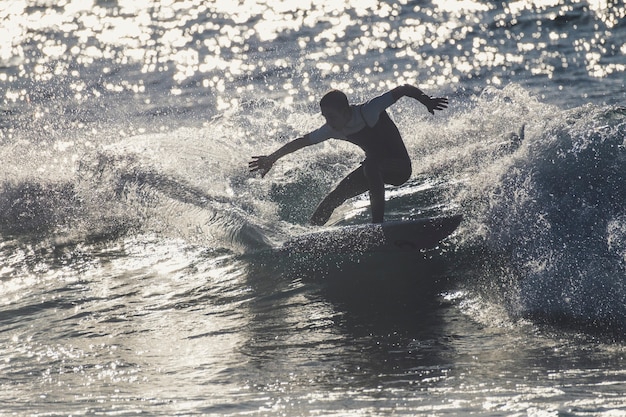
x: 264, y: 163
x: 431, y: 103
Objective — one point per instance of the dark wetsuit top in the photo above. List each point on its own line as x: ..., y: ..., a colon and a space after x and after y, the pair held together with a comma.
x: 382, y: 141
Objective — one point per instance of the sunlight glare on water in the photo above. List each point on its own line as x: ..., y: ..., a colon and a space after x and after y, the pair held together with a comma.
x: 226, y: 45
x: 140, y: 261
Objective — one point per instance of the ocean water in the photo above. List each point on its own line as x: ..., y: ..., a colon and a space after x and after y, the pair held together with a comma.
x: 138, y: 269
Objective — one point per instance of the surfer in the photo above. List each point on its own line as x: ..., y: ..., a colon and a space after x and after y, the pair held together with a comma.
x: 368, y: 126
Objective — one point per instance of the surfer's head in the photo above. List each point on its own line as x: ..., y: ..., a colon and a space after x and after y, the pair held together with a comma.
x: 335, y: 109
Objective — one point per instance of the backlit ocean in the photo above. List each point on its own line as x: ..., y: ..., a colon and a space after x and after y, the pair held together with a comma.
x: 138, y: 274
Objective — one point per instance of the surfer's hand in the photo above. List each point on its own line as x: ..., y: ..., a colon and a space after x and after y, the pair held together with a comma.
x: 435, y: 103
x: 261, y: 163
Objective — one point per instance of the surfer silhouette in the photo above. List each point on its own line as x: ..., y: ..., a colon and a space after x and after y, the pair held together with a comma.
x: 368, y: 126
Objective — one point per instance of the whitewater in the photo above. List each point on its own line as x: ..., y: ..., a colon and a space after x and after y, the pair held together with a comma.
x: 138, y: 265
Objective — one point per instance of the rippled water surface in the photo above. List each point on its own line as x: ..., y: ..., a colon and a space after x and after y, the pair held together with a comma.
x: 138, y: 265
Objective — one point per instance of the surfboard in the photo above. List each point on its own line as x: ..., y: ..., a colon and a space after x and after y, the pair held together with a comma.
x: 392, y: 236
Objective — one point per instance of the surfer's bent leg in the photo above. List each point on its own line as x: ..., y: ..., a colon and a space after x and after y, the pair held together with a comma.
x: 378, y: 173
x: 388, y: 171
x: 372, y: 170
x: 351, y: 186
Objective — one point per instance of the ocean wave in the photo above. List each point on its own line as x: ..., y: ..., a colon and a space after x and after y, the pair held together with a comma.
x: 540, y: 188
x: 557, y: 210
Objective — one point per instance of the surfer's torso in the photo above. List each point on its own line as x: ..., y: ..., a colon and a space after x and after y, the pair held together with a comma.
x: 370, y: 128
